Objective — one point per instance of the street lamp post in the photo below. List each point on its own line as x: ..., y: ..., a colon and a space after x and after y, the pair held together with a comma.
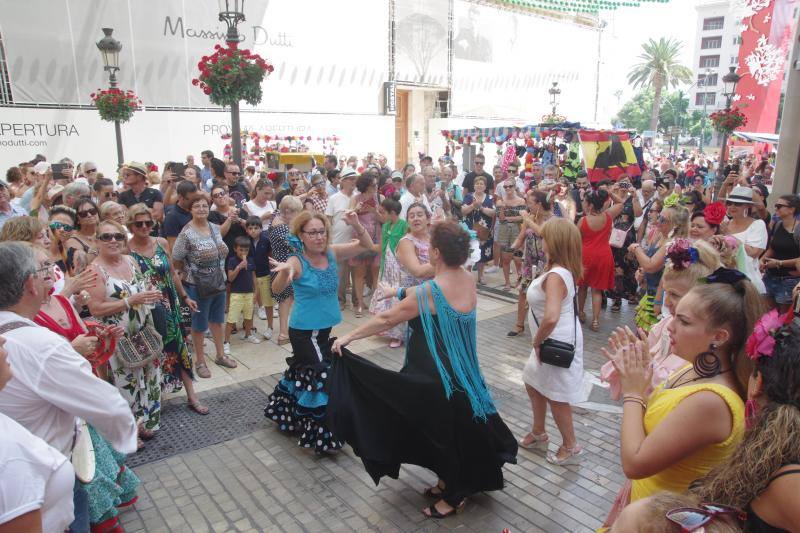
x: 110, y: 49
x: 729, y: 80
x: 231, y: 12
x: 554, y: 92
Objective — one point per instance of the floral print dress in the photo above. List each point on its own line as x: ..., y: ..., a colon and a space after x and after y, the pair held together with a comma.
x: 141, y: 387
x: 176, y: 354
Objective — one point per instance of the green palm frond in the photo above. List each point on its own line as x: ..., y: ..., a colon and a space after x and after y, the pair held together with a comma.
x: 659, y: 65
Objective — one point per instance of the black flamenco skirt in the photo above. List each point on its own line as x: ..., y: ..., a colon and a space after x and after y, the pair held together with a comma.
x: 392, y: 418
x: 299, y: 401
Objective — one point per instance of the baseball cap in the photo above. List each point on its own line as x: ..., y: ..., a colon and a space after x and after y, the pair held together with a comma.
x: 397, y: 175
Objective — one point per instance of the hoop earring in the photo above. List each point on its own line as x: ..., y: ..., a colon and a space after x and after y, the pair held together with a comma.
x: 707, y: 364
x: 750, y: 412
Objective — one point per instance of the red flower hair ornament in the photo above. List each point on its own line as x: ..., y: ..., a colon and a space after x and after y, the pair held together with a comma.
x: 714, y: 213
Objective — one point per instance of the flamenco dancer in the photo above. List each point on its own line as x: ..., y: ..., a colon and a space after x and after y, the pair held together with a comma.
x: 298, y: 402
x: 436, y: 412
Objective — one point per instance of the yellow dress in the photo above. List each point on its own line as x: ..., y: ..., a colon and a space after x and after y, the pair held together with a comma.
x: 677, y: 477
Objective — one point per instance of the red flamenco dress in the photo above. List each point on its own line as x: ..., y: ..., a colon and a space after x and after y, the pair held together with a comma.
x: 598, y: 261
x: 114, y: 486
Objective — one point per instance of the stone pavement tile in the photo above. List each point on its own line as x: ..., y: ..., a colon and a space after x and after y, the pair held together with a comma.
x: 262, y: 481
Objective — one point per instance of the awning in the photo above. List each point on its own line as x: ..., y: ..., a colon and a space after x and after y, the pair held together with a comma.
x: 771, y: 138
x: 501, y: 133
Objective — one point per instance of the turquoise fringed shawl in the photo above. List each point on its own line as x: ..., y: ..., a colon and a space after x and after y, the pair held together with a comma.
x: 457, y: 333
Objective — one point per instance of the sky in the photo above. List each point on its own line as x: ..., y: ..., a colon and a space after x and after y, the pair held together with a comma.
x: 627, y: 29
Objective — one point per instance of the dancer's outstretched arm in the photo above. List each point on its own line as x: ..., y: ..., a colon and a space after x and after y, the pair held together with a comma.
x: 402, y: 312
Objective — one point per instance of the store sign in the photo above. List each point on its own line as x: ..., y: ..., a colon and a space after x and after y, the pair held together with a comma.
x: 389, y: 98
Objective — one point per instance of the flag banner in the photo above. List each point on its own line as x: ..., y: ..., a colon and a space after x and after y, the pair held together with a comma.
x: 608, y: 155
x: 766, y: 28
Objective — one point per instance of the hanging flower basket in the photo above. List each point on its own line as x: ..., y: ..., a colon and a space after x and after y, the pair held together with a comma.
x: 553, y: 119
x: 115, y: 105
x: 230, y: 75
x: 727, y: 120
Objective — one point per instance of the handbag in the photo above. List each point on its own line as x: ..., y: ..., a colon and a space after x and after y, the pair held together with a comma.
x: 618, y: 236
x: 210, y: 283
x: 137, y: 350
x: 559, y: 353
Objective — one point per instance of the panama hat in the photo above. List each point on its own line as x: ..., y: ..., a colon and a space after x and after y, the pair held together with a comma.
x: 740, y: 195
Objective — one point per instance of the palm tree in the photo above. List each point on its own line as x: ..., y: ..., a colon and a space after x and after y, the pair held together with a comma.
x: 659, y: 68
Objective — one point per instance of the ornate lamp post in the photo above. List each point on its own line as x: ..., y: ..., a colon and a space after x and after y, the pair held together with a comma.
x: 110, y: 49
x: 554, y: 92
x: 231, y: 12
x: 729, y: 80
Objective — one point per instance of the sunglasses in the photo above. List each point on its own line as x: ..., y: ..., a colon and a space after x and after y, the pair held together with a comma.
x: 691, y: 519
x: 316, y: 233
x: 509, y: 186
x: 108, y: 237
x: 233, y: 173
x: 143, y: 223
x: 732, y: 204
x: 218, y: 195
x: 778, y: 206
x: 63, y: 227
x: 88, y: 213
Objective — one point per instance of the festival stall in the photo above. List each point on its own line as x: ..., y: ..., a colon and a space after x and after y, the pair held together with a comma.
x: 275, y: 152
x: 759, y: 144
x: 604, y: 154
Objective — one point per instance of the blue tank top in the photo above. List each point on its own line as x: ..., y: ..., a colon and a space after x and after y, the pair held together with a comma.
x: 316, y: 305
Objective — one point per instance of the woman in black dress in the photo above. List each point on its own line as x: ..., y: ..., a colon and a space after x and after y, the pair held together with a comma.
x: 436, y: 412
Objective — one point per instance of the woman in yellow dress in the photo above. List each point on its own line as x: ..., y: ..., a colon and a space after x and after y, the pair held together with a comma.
x: 694, y: 420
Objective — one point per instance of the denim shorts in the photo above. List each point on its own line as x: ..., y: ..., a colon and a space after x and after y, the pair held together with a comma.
x: 211, y: 309
x: 779, y: 288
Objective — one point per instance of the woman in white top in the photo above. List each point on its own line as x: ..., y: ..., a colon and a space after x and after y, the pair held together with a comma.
x: 263, y: 203
x: 551, y: 299
x: 36, y: 480
x: 750, y: 232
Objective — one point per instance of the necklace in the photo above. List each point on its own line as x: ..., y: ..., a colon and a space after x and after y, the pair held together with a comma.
x: 675, y: 384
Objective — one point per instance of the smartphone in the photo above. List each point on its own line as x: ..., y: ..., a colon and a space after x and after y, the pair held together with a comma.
x: 178, y: 169
x: 57, y: 169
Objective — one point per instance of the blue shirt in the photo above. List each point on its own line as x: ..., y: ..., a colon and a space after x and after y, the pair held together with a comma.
x: 205, y: 175
x: 261, y: 251
x: 243, y: 282
x: 316, y: 305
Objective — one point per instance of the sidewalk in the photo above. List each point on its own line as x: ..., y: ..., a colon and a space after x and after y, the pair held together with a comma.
x: 252, y: 478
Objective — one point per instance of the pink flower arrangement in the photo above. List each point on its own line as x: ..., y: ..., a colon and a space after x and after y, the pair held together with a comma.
x: 761, y: 342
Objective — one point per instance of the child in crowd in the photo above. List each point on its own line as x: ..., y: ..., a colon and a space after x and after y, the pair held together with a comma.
x: 260, y: 252
x: 242, y: 277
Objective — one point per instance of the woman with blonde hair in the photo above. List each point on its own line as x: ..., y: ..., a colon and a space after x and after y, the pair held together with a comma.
x: 551, y: 298
x: 702, y: 402
x: 299, y: 401
x: 111, y: 210
x: 279, y: 232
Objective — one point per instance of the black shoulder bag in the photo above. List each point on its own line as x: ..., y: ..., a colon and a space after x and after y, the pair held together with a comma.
x: 559, y: 353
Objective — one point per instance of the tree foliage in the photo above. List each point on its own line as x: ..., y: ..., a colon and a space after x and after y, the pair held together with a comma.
x: 659, y: 69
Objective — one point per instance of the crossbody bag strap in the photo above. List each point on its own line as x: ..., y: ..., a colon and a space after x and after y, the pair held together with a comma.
x: 11, y: 326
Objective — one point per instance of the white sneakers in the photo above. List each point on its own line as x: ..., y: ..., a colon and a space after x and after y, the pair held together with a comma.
x: 262, y: 313
x: 267, y: 333
x: 252, y: 338
x: 492, y: 269
x: 226, y: 348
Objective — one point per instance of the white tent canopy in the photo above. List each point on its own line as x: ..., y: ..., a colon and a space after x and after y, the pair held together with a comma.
x: 771, y: 138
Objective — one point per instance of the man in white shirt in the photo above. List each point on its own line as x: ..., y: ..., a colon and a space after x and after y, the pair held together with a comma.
x: 341, y: 233
x: 53, y: 386
x: 646, y: 198
x: 415, y: 193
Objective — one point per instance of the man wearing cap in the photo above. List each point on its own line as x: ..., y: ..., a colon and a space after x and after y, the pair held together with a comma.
x: 341, y: 233
x: 134, y: 177
x: 7, y: 210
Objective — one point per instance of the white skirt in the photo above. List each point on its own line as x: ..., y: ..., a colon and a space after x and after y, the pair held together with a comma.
x: 556, y: 383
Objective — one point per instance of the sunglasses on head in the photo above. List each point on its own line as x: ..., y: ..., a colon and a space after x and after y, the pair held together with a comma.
x: 691, y: 519
x: 108, y: 237
x: 63, y: 227
x: 88, y: 213
x: 143, y: 223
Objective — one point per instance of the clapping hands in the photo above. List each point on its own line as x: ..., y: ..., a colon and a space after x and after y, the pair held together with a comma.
x: 630, y: 356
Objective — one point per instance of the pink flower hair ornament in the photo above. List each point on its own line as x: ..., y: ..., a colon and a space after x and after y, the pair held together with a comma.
x: 769, y: 329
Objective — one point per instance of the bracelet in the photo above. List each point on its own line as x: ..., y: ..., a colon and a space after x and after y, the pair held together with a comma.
x: 401, y: 293
x: 658, y: 302
x: 635, y: 400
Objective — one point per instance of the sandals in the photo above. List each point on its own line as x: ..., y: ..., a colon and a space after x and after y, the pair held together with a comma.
x: 282, y: 339
x: 146, y: 434
x: 616, y: 306
x: 595, y: 325
x: 198, y: 407
x: 433, y: 512
x: 518, y: 329
x: 201, y: 369
x: 396, y: 343
x: 572, y: 459
x: 359, y: 312
x: 532, y: 441
x: 226, y: 361
x: 434, y: 492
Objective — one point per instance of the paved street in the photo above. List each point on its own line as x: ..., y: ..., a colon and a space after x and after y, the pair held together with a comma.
x: 259, y: 480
